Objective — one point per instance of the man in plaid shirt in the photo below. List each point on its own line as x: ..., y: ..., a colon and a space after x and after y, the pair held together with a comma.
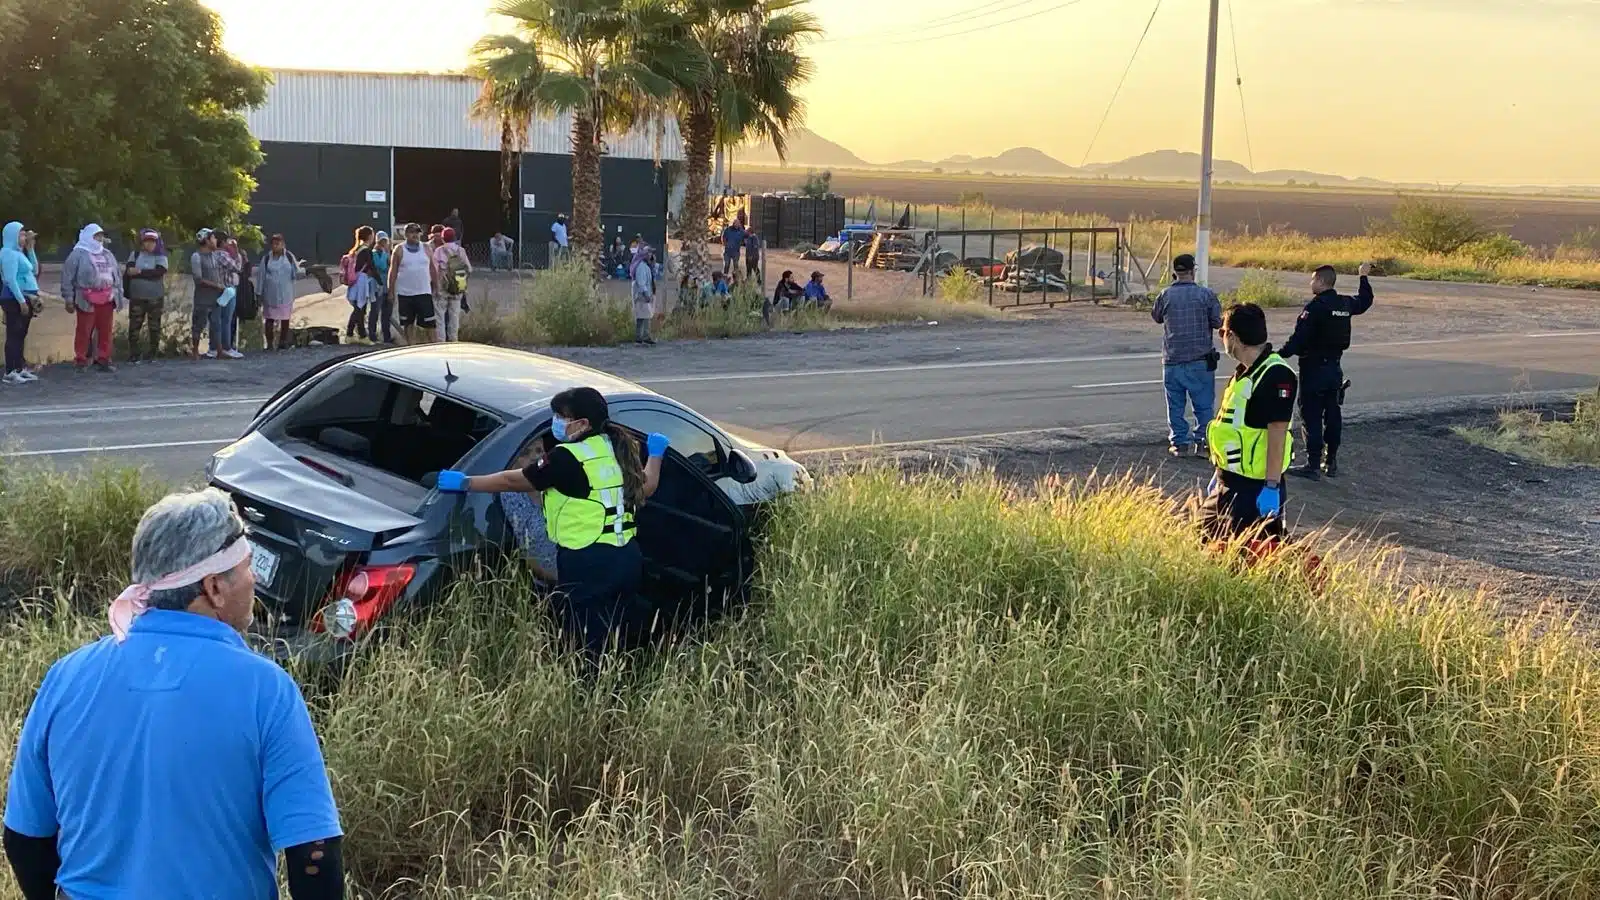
x: 1190, y: 315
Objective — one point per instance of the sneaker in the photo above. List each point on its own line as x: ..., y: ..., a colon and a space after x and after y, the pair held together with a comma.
x: 27, y: 375
x: 209, y: 354
x: 1181, y: 449
x: 14, y: 378
x: 107, y: 368
x: 233, y: 354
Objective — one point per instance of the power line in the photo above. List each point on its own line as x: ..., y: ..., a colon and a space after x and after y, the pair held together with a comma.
x: 983, y: 10
x: 1032, y: 15
x: 953, y: 18
x: 1120, y: 82
x: 1238, y: 80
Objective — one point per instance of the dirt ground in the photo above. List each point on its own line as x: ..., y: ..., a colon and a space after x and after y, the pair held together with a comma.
x: 1468, y: 516
x: 1319, y: 213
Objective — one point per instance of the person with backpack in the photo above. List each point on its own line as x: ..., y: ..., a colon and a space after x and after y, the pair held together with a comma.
x: 381, y: 309
x: 453, y: 267
x: 359, y: 273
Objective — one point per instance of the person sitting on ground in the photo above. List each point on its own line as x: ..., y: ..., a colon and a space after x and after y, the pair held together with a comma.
x: 787, y: 291
x: 721, y: 286
x: 169, y: 759
x: 524, y: 511
x: 499, y: 252
x: 817, y: 295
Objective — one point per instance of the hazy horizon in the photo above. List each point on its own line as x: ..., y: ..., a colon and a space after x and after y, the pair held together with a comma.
x: 1435, y: 91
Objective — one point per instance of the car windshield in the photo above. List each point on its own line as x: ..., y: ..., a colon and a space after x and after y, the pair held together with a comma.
x: 357, y: 426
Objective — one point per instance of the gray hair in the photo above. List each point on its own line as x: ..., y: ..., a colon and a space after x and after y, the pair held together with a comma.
x: 177, y: 532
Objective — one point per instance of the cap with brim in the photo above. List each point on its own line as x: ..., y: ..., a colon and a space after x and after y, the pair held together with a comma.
x: 149, y: 234
x: 1183, y: 263
x: 202, y: 234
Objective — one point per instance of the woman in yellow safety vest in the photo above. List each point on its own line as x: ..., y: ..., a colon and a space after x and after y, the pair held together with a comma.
x: 1249, y: 438
x: 592, y: 482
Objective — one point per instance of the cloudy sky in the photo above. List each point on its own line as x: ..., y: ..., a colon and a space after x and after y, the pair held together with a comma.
x: 1488, y: 91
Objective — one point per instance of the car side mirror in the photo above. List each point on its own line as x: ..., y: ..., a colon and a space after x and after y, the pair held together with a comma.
x: 740, y: 467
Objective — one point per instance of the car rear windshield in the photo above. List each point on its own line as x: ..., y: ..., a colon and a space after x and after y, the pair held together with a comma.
x: 356, y: 422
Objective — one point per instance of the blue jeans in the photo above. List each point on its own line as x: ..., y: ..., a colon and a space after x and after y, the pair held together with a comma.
x: 1192, y: 382
x: 217, y: 320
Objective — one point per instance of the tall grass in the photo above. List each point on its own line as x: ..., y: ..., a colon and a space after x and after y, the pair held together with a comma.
x: 1263, y: 289
x: 965, y: 690
x: 1551, y: 440
x: 77, y: 523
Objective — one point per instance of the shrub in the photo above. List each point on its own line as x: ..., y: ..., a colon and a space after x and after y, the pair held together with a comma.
x: 1434, y: 226
x: 1261, y: 288
x: 740, y: 315
x: 817, y: 184
x: 1495, y: 249
x: 564, y: 308
x: 960, y: 285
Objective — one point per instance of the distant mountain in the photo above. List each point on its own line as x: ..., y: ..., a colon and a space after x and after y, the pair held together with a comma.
x: 806, y: 148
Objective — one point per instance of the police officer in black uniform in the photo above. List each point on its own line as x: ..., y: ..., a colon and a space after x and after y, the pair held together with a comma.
x: 1321, y: 335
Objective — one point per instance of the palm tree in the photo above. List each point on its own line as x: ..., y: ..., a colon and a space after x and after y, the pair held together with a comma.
x: 601, y: 61
x: 751, y: 64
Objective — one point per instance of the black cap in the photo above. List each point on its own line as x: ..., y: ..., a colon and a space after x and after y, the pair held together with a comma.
x: 1183, y: 263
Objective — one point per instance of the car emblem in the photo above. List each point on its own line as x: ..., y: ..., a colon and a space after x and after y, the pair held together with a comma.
x: 329, y: 538
x: 253, y: 514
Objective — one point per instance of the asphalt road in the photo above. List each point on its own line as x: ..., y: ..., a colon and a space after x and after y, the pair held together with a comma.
x: 874, y: 398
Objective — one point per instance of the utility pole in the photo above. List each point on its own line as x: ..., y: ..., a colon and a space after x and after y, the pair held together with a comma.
x: 718, y: 175
x: 1202, y: 240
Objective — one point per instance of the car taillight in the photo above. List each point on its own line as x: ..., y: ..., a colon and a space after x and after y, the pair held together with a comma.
x: 361, y: 597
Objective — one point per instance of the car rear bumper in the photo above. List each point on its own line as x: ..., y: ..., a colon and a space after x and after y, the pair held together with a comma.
x: 299, y: 647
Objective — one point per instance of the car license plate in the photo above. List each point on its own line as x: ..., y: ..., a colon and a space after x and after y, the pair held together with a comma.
x: 264, y: 563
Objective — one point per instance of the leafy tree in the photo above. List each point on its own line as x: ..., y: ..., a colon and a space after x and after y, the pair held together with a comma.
x: 602, y: 61
x: 125, y: 113
x: 817, y: 184
x: 743, y: 87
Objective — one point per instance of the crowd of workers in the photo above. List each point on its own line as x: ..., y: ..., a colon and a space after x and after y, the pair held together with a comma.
x: 1249, y: 438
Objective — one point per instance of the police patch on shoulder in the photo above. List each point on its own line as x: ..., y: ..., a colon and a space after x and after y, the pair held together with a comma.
x: 1306, y: 314
x: 1283, y: 392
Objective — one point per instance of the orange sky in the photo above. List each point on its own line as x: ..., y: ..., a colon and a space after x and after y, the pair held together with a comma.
x: 1446, y: 91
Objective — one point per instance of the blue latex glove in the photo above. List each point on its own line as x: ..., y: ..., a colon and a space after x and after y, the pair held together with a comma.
x: 452, y: 482
x: 657, y: 444
x: 1269, y: 502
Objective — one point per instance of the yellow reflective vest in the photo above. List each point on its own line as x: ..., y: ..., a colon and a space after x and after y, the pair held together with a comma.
x: 603, y: 517
x: 1235, y: 446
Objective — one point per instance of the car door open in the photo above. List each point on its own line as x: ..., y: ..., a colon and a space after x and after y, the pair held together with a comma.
x: 696, y: 547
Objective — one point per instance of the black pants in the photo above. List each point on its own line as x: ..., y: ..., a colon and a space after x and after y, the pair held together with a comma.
x: 598, y: 597
x: 17, y: 323
x: 1231, y: 511
x: 1320, y: 415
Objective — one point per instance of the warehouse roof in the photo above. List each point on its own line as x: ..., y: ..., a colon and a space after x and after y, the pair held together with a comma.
x: 375, y: 109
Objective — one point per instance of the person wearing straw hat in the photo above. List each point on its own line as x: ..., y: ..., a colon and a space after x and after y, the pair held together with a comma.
x: 167, y: 759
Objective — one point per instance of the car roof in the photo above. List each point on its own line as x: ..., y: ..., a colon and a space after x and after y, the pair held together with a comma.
x: 509, y: 382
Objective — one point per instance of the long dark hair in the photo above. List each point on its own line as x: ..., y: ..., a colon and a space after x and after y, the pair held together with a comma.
x: 587, y: 403
x: 362, y: 234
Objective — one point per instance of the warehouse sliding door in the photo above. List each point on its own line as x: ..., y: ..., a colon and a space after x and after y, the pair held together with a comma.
x: 317, y: 195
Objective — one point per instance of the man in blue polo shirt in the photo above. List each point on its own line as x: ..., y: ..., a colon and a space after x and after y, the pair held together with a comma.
x: 168, y: 760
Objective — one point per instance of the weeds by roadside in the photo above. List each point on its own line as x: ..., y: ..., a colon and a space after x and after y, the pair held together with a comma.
x: 78, y: 524
x: 1263, y: 289
x: 957, y: 688
x: 1552, y: 441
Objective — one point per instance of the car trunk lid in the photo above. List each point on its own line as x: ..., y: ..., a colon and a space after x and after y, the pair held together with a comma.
x: 305, y: 522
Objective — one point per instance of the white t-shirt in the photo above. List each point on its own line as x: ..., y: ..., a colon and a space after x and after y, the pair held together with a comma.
x: 558, y: 233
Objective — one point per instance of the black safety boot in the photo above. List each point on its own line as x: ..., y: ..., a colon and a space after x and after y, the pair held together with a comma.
x: 1332, y: 465
x: 1309, y: 472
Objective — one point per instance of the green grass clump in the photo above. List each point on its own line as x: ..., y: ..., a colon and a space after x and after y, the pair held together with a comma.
x: 1552, y: 441
x: 75, y: 523
x: 962, y: 689
x: 1263, y: 289
x: 960, y: 285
